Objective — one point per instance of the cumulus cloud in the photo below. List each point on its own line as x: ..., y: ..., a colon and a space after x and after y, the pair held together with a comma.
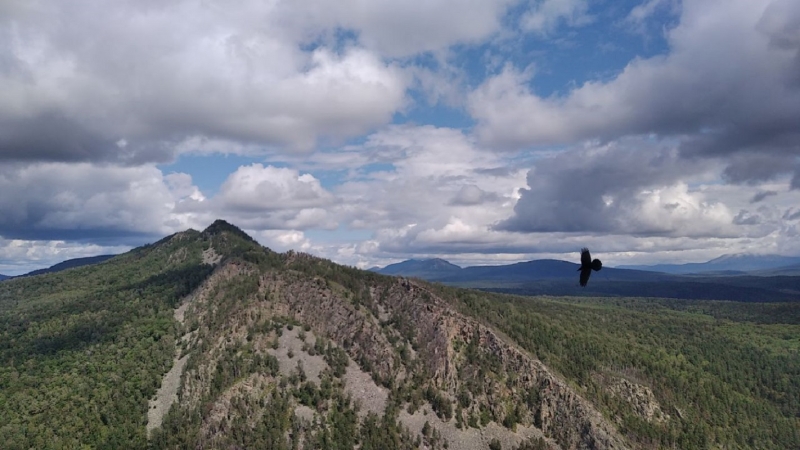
x: 440, y: 194
x: 727, y: 86
x: 283, y: 240
x: 399, y: 29
x: 618, y: 188
x: 152, y: 76
x: 545, y: 15
x: 18, y: 257
x: 259, y: 188
x: 57, y: 201
x: 430, y: 167
x: 693, y: 152
x: 88, y: 204
x: 57, y: 211
x: 759, y: 196
x: 259, y: 197
x: 472, y: 195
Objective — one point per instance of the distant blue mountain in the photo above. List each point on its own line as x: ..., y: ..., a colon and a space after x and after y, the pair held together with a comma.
x: 421, y: 268
x: 540, y: 269
x: 560, y: 278
x: 3, y: 277
x: 786, y: 271
x: 69, y: 264
x: 732, y: 264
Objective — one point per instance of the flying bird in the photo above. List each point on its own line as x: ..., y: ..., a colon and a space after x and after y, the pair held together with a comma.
x: 587, y: 265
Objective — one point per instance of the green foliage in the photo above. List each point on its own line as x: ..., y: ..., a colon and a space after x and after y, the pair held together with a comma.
x: 733, y: 370
x: 82, y: 351
x: 440, y: 403
x: 384, y: 433
x: 337, y: 359
x: 533, y: 444
x: 232, y: 242
x: 237, y: 363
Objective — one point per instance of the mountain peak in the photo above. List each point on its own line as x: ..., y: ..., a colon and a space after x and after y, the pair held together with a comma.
x: 220, y: 226
x: 419, y: 267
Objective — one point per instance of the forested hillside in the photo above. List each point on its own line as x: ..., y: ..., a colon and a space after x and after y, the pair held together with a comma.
x: 727, y: 373
x: 82, y: 351
x: 288, y: 351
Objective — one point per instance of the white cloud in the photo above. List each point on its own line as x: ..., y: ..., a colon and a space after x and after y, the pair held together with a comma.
x: 18, y: 257
x: 283, y: 240
x: 42, y: 201
x: 729, y: 84
x: 644, y: 11
x: 430, y: 167
x: 399, y: 29
x: 546, y: 15
x: 155, y: 75
x: 258, y: 197
x: 589, y: 190
x: 259, y: 188
x: 470, y: 194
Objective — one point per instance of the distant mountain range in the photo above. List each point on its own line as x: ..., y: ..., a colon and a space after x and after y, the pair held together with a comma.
x: 64, y: 265
x: 722, y: 279
x: 725, y: 263
x: 421, y: 268
x: 541, y: 269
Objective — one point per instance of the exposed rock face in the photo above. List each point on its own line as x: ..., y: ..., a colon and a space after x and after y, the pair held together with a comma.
x: 641, y: 398
x: 400, y: 333
x: 561, y: 413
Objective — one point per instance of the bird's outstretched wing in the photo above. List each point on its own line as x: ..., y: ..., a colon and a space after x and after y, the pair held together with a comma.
x: 586, y: 258
x: 585, y: 272
x: 586, y: 266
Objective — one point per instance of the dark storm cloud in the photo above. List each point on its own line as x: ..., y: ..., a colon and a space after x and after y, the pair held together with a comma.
x: 762, y: 195
x: 746, y: 218
x: 756, y: 167
x: 470, y: 195
x: 791, y: 214
x: 84, y: 202
x: 781, y: 22
x: 591, y: 190
x: 496, y: 171
x: 52, y: 136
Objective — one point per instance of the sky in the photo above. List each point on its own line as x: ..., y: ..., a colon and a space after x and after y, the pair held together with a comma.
x: 373, y: 131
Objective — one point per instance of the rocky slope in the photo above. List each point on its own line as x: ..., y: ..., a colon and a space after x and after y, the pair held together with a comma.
x: 315, y: 347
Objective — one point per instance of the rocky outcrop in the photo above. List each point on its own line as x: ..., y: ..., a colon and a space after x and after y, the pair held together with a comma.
x: 400, y: 332
x: 641, y: 398
x: 511, y: 376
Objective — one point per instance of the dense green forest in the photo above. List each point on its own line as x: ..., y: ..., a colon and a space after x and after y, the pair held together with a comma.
x: 82, y: 351
x: 728, y: 373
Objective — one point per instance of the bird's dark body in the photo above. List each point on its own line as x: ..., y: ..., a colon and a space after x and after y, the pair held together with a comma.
x: 587, y: 265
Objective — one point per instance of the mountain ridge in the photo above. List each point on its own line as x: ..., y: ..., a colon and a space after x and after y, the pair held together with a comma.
x: 367, y: 339
x: 556, y: 277
x: 257, y: 349
x: 734, y: 262
x: 69, y: 264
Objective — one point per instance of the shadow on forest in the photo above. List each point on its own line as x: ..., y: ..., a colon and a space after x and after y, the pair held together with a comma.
x: 98, y: 316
